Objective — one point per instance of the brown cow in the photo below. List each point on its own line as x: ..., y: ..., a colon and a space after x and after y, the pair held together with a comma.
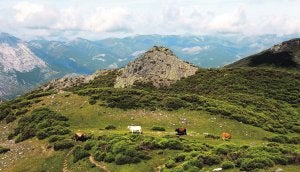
x: 180, y: 131
x: 80, y: 137
x: 225, y: 136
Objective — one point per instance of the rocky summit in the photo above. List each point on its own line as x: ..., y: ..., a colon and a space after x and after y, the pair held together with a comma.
x: 158, y: 66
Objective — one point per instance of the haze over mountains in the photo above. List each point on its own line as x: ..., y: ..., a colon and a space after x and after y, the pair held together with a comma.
x: 25, y: 65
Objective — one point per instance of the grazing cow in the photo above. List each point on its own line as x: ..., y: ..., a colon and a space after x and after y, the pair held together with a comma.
x: 180, y: 131
x: 135, y: 129
x: 80, y: 137
x: 225, y: 136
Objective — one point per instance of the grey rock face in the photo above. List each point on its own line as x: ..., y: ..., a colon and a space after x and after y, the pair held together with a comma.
x: 158, y: 66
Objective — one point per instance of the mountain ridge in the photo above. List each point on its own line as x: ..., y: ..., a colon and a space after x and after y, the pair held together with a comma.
x: 283, y: 55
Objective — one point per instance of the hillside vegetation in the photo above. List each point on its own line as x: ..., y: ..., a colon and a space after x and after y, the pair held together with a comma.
x: 259, y: 107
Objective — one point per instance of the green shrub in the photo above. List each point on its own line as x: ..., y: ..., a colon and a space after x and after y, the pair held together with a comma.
x: 89, y: 145
x: 125, y: 159
x: 110, y: 127
x: 21, y: 112
x: 170, y: 164
x: 79, y: 153
x: 10, y: 118
x: 296, y: 129
x: 260, y: 162
x: 55, y: 138
x: 41, y: 135
x: 171, y: 144
x: 279, y: 139
x: 3, y: 150
x: 225, y: 149
x: 295, y: 140
x: 158, y: 128
x: 196, y: 162
x: 109, y: 158
x: 63, y: 144
x: 41, y: 123
x: 227, y: 165
x: 92, y: 101
x: 173, y: 103
x: 210, y: 159
x: 100, y: 156
x: 179, y: 158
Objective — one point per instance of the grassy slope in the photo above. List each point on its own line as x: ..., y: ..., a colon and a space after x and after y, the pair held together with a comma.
x: 279, y: 91
x: 93, y: 118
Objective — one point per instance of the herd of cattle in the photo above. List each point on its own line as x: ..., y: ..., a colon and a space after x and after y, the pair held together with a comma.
x: 179, y: 131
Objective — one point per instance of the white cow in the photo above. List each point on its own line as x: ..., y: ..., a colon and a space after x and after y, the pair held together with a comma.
x: 135, y: 129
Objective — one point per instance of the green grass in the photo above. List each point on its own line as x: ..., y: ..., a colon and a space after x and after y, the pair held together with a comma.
x: 40, y: 162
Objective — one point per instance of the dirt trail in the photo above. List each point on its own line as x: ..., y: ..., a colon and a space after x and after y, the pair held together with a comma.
x: 98, y: 164
x: 65, y: 166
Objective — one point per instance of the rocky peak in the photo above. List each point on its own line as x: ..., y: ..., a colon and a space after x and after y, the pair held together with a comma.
x: 290, y: 45
x: 159, y: 66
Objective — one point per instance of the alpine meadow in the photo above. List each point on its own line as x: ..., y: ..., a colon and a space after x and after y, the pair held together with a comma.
x: 169, y: 86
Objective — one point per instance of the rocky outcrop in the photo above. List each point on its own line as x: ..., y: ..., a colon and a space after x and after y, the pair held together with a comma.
x: 158, y: 66
x: 65, y: 83
x: 72, y: 80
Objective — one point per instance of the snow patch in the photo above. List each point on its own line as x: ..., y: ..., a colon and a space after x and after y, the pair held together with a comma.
x: 98, y: 57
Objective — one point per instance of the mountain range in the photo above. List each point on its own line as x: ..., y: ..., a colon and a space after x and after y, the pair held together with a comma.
x: 26, y: 64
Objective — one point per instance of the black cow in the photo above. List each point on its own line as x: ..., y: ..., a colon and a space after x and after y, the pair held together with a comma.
x: 180, y: 131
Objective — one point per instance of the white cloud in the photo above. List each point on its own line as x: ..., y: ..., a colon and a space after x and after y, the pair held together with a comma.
x: 137, y: 53
x: 119, y: 18
x: 229, y: 22
x: 108, y: 20
x: 194, y: 50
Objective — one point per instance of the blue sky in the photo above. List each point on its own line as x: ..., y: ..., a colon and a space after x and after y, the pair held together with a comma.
x: 96, y: 19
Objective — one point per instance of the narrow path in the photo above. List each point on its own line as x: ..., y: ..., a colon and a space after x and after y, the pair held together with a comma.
x: 65, y: 166
x: 98, y: 164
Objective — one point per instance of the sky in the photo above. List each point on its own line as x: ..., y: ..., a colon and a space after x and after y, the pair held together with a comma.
x: 97, y: 19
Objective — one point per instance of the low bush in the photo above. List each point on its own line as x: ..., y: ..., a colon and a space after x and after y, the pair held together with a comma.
x: 42, y: 123
x: 180, y: 158
x: 55, y: 138
x: 110, y: 127
x: 109, y: 158
x: 10, y: 118
x: 3, y: 150
x: 170, y: 164
x: 79, y: 153
x: 100, y: 156
x: 260, y: 163
x: 158, y: 128
x: 63, y: 144
x: 92, y: 101
x: 227, y: 165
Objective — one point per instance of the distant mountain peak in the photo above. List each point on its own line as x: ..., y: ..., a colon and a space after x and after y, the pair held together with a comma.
x: 158, y: 66
x: 283, y: 55
x: 6, y: 38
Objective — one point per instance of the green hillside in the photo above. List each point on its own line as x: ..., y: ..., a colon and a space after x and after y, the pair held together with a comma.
x: 259, y: 107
